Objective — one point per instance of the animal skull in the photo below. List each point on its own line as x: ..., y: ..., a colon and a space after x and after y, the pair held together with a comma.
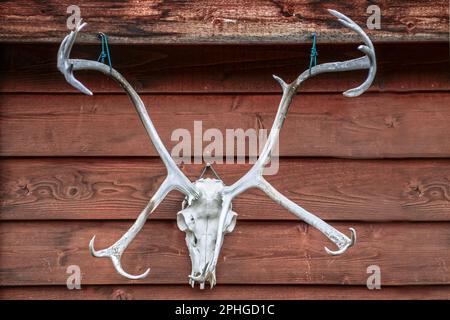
x: 206, y: 214
x: 200, y: 221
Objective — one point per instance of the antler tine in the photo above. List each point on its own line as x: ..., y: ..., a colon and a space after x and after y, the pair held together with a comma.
x: 115, y: 251
x: 347, y: 245
x: 366, y: 62
x: 349, y: 23
x: 115, y: 258
x: 175, y: 177
x: 367, y: 49
x: 64, y: 63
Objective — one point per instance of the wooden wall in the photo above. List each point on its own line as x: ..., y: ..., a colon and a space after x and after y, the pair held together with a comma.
x: 73, y: 166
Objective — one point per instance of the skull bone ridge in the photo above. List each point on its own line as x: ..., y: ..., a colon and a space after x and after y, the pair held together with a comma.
x: 200, y: 220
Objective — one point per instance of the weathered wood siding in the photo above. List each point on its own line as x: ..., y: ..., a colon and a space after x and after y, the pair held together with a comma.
x: 223, y: 21
x: 73, y: 166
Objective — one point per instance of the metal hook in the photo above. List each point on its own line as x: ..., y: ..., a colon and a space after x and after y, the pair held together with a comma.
x: 209, y: 166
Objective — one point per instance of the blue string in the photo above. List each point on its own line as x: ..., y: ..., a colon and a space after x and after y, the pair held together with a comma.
x: 314, y: 54
x: 105, y: 50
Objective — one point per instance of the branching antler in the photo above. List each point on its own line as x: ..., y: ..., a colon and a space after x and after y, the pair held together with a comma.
x: 175, y: 179
x: 254, y: 177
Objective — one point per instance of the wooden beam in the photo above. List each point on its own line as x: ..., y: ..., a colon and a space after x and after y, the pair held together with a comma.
x: 71, y: 189
x: 209, y: 21
x: 326, y: 125
x: 224, y: 292
x: 38, y: 253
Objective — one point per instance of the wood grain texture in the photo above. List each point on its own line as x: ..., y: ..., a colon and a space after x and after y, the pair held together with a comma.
x: 38, y: 253
x: 225, y: 69
x: 225, y: 292
x: 225, y: 21
x: 92, y: 168
x: 372, y: 126
x: 358, y: 190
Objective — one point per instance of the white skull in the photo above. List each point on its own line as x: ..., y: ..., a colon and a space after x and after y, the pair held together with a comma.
x: 199, y: 220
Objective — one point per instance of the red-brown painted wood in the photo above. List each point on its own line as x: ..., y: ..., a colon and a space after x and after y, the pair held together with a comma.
x: 225, y: 292
x: 403, y: 115
x: 226, y: 69
x: 69, y: 189
x: 38, y: 253
x: 371, y: 126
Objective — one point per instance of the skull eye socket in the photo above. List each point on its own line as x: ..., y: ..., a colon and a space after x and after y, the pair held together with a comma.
x: 185, y: 220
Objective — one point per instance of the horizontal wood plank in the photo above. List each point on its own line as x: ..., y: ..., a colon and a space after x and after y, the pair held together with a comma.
x: 370, y: 126
x: 225, y: 69
x: 71, y: 189
x: 38, y: 253
x: 225, y: 292
x: 209, y: 21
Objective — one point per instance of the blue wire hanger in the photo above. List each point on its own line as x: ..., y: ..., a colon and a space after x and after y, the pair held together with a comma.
x: 105, y: 49
x: 313, y: 58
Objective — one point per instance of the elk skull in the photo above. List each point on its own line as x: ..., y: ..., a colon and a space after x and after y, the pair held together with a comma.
x: 206, y: 214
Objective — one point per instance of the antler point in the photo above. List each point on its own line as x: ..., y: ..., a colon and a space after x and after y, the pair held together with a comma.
x: 353, y: 236
x: 145, y: 274
x: 281, y: 82
x: 81, y: 25
x: 344, y: 248
x: 91, y: 247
